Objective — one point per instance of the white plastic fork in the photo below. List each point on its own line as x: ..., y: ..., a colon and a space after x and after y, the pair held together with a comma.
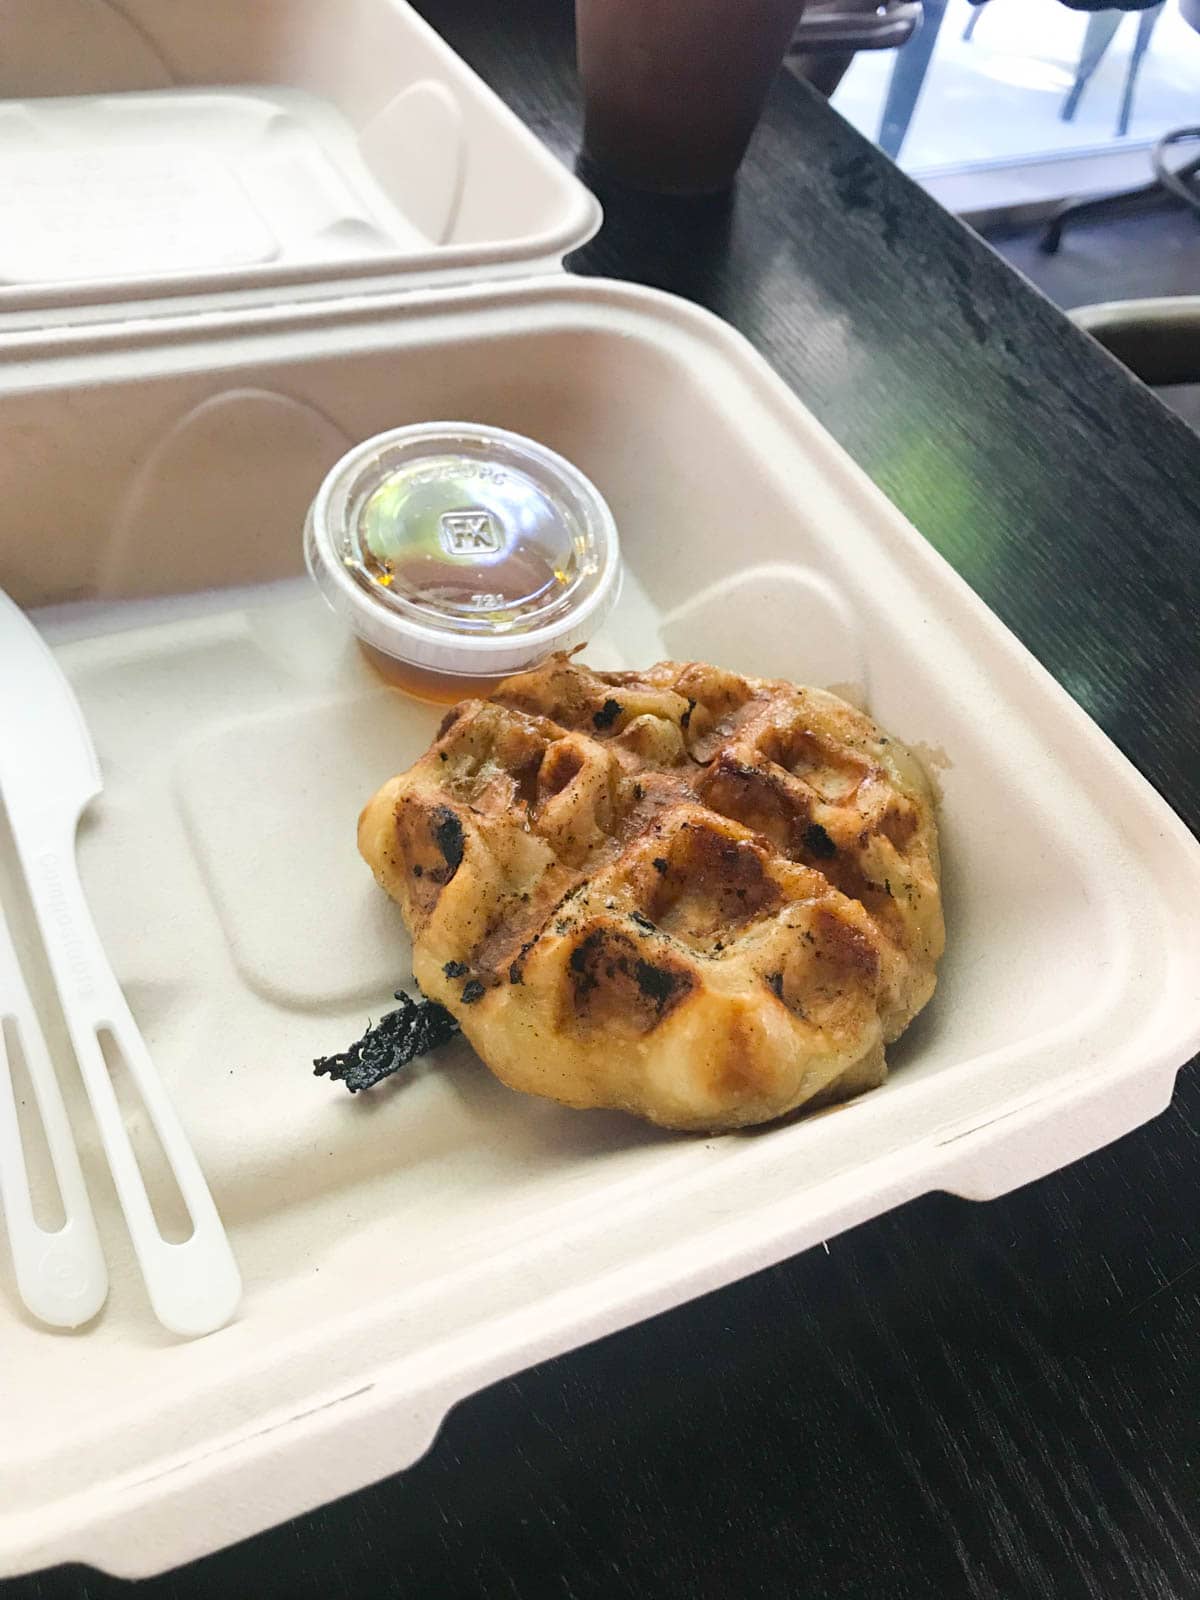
x: 61, y: 1275
x: 48, y: 775
x: 194, y: 1285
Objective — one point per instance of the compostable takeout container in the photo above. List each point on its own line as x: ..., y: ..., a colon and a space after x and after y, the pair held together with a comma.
x: 161, y: 435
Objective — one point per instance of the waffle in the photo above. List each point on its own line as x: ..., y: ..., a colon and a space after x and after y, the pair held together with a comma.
x: 701, y: 898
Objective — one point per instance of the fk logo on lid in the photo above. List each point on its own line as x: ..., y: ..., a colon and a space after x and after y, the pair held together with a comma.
x: 469, y: 533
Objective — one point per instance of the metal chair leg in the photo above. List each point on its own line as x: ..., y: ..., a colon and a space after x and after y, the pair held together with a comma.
x: 1146, y: 22
x: 1171, y: 186
x: 907, y: 79
x: 973, y: 20
x: 1101, y: 27
x: 1128, y: 203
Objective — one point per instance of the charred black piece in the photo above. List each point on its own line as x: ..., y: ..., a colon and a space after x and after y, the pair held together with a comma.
x: 413, y: 1029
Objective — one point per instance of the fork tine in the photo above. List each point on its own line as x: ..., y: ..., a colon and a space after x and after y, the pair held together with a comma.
x: 61, y: 1276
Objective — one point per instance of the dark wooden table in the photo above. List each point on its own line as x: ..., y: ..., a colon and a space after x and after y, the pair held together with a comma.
x: 984, y: 1400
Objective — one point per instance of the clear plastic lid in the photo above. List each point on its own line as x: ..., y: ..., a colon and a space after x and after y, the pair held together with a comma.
x: 463, y: 549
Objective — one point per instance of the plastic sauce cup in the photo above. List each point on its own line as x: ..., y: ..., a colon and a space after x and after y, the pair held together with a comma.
x: 459, y: 552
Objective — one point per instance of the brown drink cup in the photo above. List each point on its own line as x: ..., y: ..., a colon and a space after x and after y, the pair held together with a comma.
x: 673, y: 89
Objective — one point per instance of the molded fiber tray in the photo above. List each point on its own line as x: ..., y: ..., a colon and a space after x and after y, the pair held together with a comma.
x: 407, y: 1247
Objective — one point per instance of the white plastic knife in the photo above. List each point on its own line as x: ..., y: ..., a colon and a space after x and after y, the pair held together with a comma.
x: 48, y: 775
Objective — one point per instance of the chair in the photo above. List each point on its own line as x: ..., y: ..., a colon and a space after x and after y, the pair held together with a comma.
x: 830, y: 33
x: 1158, y: 340
x: 1101, y: 30
x: 908, y: 75
x: 1170, y: 186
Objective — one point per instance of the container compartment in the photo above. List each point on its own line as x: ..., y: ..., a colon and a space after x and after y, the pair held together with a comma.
x: 405, y: 1247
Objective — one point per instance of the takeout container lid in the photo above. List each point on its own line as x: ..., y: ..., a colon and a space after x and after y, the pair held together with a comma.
x: 168, y: 157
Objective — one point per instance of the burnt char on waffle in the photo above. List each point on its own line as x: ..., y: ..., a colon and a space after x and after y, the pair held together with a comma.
x: 702, y: 898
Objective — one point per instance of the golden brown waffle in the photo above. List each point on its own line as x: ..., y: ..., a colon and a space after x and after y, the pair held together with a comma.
x: 702, y: 898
